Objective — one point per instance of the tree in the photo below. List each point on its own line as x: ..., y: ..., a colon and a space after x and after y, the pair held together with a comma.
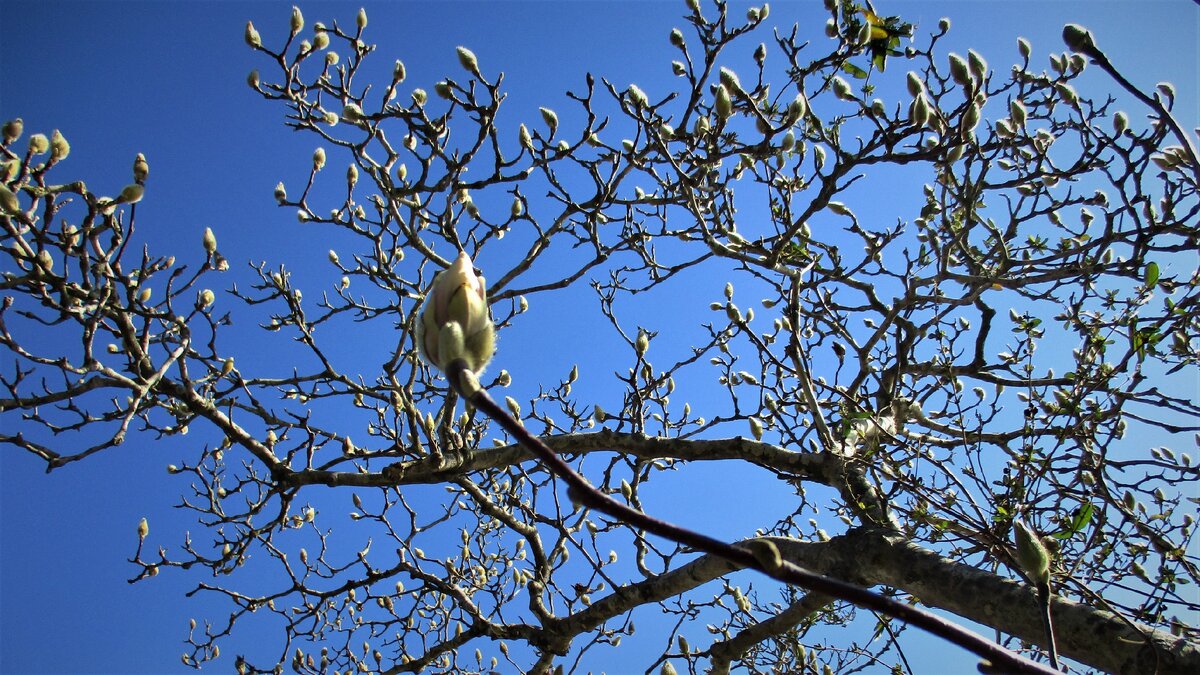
x: 995, y: 350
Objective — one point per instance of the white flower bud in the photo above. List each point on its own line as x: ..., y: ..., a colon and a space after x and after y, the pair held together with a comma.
x: 318, y: 159
x: 59, y: 147
x: 467, y: 59
x: 959, y: 70
x: 210, y: 241
x: 454, y: 322
x: 297, y: 20
x: 252, y: 37
x: 551, y: 119
x: 38, y: 143
x: 841, y: 89
x: 724, y: 104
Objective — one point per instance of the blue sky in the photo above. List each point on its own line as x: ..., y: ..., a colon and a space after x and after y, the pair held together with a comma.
x: 168, y: 79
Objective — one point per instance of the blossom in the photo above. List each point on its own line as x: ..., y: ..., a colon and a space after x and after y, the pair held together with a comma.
x: 454, y: 322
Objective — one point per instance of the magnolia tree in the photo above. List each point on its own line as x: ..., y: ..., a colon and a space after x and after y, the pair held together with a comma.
x: 954, y: 403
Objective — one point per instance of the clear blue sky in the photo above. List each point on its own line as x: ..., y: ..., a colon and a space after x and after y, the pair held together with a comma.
x: 168, y: 79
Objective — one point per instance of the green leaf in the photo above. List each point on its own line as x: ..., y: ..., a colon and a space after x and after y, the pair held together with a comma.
x: 1151, y: 278
x: 1083, y: 515
x: 854, y: 71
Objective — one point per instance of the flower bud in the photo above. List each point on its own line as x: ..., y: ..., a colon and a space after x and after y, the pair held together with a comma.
x: 297, y: 20
x: 677, y: 38
x: 841, y: 89
x: 320, y: 40
x: 8, y: 201
x: 419, y: 97
x: 454, y: 322
x: 361, y: 19
x: 206, y: 298
x: 59, y: 147
x: 1078, y: 38
x: 977, y: 65
x: 468, y: 61
x: 318, y: 159
x: 131, y: 194
x: 915, y: 86
x: 637, y: 97
x: 252, y: 37
x: 918, y: 114
x: 730, y: 80
x: 210, y: 241
x: 724, y: 104
x: 1018, y: 113
x: 12, y: 129
x: 1031, y: 553
x: 551, y: 119
x: 1024, y: 48
x: 44, y: 261
x: 143, y: 528
x: 642, y: 344
x: 352, y: 175
x: 38, y: 143
x: 959, y: 70
x: 797, y: 109
x: 756, y: 428
x: 141, y: 169
x: 1120, y: 122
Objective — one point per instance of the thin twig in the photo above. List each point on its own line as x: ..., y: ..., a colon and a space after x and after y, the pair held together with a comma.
x: 760, y: 555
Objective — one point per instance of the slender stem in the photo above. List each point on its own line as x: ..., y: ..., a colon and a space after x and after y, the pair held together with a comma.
x: 761, y: 555
x: 1051, y: 647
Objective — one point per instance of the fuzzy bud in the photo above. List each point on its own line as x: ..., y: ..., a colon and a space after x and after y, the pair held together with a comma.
x: 210, y: 241
x: 841, y: 89
x: 959, y: 70
x: 724, y: 103
x: 1078, y: 39
x: 141, y: 169
x: 1120, y: 122
x: 637, y: 97
x: 915, y: 86
x: 38, y: 143
x: 1016, y: 110
x: 360, y: 19
x: 59, y: 147
x: 131, y: 194
x: 297, y: 20
x: 318, y: 159
x: 468, y: 61
x: 1024, y: 48
x: 143, y: 528
x: 454, y: 322
x: 1031, y: 553
x: 8, y: 201
x: 797, y: 109
x: 12, y: 129
x: 551, y: 119
x: 642, y: 344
